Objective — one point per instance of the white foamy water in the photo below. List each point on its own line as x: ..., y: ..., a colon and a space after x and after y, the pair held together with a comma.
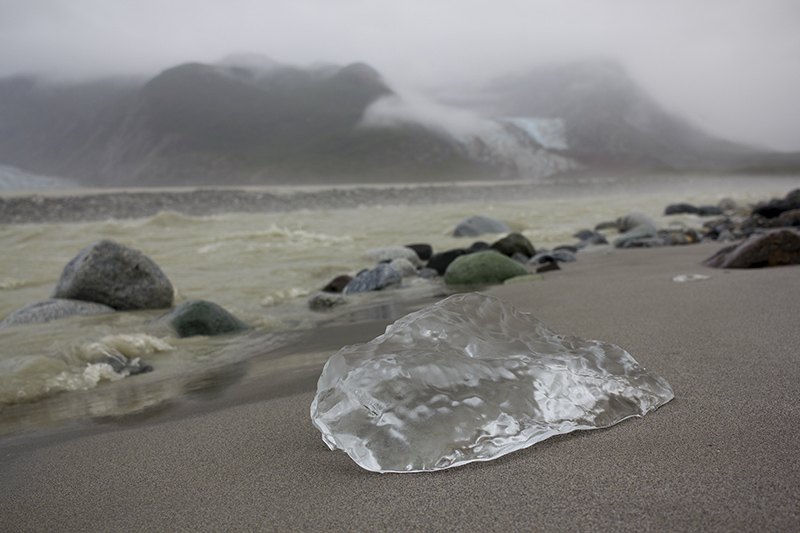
x: 262, y: 267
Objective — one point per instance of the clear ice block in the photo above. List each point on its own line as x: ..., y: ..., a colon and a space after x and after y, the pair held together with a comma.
x: 471, y: 379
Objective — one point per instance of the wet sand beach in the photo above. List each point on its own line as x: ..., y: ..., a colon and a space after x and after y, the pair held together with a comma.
x: 721, y: 456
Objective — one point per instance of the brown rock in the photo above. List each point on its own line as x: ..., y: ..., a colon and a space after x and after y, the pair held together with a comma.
x: 774, y: 248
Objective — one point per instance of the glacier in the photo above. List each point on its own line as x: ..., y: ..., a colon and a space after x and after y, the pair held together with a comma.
x: 470, y: 378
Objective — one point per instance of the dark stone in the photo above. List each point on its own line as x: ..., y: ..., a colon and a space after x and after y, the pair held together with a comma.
x: 789, y: 218
x: 556, y: 256
x: 514, y: 243
x: 109, y: 273
x: 199, y: 317
x: 588, y: 237
x: 678, y: 209
x: 53, y: 309
x: 478, y: 246
x: 547, y: 267
x: 773, y: 248
x: 775, y: 207
x: 566, y: 248
x: 322, y: 301
x: 439, y: 262
x: 478, y: 225
x: 481, y: 268
x: 379, y: 278
x: 653, y: 242
x: 709, y: 211
x: 338, y: 284
x: 423, y: 251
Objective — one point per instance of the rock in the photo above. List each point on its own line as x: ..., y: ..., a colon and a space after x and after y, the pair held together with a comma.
x: 478, y: 225
x: 610, y: 224
x: 678, y: 209
x: 387, y: 253
x: 423, y: 251
x: 404, y: 266
x: 514, y: 243
x: 427, y: 273
x: 381, y: 277
x: 633, y: 220
x: 679, y: 237
x: 338, y: 284
x: 53, y: 309
x: 709, y: 211
x: 644, y: 231
x: 775, y: 207
x: 547, y: 267
x: 654, y: 242
x: 322, y: 301
x: 556, y: 256
x: 478, y: 246
x: 199, y: 317
x: 482, y: 268
x: 789, y: 218
x: 110, y: 273
x: 773, y: 248
x: 439, y: 262
x: 572, y: 250
x: 588, y: 238
x: 471, y: 379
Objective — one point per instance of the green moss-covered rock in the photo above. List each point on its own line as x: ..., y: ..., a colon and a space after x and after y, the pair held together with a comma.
x: 199, y: 317
x: 481, y: 268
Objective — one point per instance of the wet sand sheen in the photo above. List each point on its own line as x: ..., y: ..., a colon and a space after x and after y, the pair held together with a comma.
x: 721, y: 456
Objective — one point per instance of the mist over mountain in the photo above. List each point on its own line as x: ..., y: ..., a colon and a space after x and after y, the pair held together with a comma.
x: 251, y: 120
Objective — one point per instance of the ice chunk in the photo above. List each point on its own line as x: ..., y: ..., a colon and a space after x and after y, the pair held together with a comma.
x: 470, y: 379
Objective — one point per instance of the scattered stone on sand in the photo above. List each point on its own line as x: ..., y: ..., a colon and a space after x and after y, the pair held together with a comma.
x: 556, y: 256
x: 53, y: 309
x: 200, y: 317
x: 478, y: 225
x: 645, y: 231
x: 771, y: 248
x: 337, y: 284
x: 110, y: 273
x: 482, y: 268
x: 548, y: 267
x: 702, y: 211
x: 478, y: 246
x: 589, y: 237
x: 381, y: 277
x: 514, y: 243
x: 322, y: 301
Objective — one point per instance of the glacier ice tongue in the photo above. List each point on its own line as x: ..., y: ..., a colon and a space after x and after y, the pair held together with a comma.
x: 470, y: 379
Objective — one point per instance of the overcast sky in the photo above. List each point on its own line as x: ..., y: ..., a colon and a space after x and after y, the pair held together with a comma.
x: 731, y: 66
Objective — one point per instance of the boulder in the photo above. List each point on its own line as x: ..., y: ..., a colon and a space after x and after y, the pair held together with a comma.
x: 338, y: 283
x: 439, y: 262
x: 589, y: 237
x: 556, y: 256
x: 322, y: 301
x: 110, y: 273
x: 789, y: 218
x: 53, y: 309
x: 514, y: 243
x: 653, y: 242
x: 478, y: 246
x: 423, y: 251
x: 404, y: 266
x: 633, y: 220
x: 639, y: 232
x: 478, y: 225
x: 547, y: 267
x: 388, y: 253
x: 774, y: 208
x: 482, y: 268
x: 773, y: 248
x: 679, y: 209
x: 379, y: 278
x: 200, y: 317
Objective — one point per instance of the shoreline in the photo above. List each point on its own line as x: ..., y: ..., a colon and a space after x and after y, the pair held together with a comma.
x: 720, y: 456
x: 91, y: 205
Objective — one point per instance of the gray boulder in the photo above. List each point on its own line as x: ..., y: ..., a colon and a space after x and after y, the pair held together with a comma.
x: 380, y: 277
x: 482, y: 268
x: 636, y: 227
x: 53, y: 309
x: 404, y: 266
x: 200, y: 317
x: 634, y: 219
x: 774, y: 248
x: 110, y: 273
x: 478, y: 225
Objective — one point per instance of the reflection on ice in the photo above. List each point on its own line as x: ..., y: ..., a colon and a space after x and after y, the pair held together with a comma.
x: 470, y: 379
